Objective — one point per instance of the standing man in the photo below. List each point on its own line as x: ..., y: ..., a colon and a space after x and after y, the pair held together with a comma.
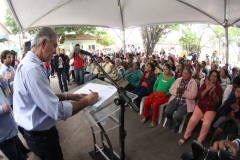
x: 6, y: 68
x: 60, y: 68
x: 78, y: 65
x: 36, y: 108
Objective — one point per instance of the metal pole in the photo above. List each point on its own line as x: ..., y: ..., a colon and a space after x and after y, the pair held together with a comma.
x: 227, y: 44
x: 123, y: 42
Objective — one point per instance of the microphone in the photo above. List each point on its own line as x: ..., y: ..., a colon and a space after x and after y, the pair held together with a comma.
x: 86, y: 53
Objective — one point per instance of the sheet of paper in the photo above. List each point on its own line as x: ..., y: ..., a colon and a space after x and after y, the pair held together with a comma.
x: 104, y: 91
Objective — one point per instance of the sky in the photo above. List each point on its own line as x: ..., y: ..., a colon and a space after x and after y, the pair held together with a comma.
x: 3, y: 8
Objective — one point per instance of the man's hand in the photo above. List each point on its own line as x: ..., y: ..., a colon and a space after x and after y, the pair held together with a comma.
x: 91, y: 98
x: 8, y: 75
x: 223, y: 145
x: 77, y: 97
x: 6, y: 108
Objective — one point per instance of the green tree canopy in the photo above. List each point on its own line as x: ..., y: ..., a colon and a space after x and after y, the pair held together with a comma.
x: 106, y: 39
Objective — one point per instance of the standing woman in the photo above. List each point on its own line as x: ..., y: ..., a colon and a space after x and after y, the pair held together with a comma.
x: 132, y: 75
x: 159, y: 96
x: 146, y: 86
x: 209, y: 96
x: 78, y: 64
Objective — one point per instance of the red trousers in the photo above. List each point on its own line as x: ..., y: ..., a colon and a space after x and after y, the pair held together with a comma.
x: 155, y: 107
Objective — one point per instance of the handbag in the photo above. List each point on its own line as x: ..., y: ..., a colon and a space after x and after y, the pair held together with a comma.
x: 122, y: 82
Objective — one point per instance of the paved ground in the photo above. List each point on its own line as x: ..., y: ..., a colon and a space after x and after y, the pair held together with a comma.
x: 142, y: 143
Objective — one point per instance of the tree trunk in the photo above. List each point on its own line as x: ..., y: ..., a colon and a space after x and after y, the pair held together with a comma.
x: 150, y: 36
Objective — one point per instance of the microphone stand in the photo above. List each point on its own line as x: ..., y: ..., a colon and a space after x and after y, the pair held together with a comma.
x: 121, y: 100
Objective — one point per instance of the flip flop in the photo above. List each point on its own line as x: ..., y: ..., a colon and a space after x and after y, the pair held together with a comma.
x: 144, y: 120
x: 153, y: 124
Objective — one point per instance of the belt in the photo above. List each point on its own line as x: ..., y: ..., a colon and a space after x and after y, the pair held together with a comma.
x: 39, y: 133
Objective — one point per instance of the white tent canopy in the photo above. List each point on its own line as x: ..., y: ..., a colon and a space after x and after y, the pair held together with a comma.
x: 106, y: 13
x: 123, y: 13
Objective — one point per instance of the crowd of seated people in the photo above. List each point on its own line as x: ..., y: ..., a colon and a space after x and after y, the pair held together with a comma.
x: 186, y: 87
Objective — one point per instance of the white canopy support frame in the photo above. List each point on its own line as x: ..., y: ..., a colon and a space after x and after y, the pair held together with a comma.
x: 30, y: 14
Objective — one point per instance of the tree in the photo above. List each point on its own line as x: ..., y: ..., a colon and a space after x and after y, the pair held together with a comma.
x: 233, y: 38
x: 151, y: 35
x: 10, y: 22
x: 106, y: 39
x: 194, y: 39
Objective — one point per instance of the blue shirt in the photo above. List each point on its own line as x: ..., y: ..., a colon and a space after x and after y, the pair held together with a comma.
x: 2, y: 73
x: 36, y: 107
x: 8, y: 128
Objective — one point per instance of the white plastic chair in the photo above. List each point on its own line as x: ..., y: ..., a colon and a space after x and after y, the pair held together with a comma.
x: 182, y: 123
x: 160, y: 112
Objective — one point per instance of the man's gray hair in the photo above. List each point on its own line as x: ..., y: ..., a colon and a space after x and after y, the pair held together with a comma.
x: 118, y: 59
x: 44, y: 33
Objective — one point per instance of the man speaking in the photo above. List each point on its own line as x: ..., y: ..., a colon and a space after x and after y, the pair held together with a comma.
x: 36, y: 108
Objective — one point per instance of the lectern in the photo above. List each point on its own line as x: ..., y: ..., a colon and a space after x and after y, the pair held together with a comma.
x: 103, y: 119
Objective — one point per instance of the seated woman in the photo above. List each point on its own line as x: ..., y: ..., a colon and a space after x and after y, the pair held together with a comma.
x: 178, y: 73
x: 225, y: 81
x: 146, y: 86
x: 183, y: 91
x: 107, y: 66
x: 198, y: 74
x: 159, y: 96
x: 230, y: 118
x: 157, y: 69
x: 133, y: 76
x: 172, y: 63
x: 209, y: 96
x: 117, y: 71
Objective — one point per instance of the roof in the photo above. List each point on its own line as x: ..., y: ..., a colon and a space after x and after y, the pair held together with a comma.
x: 80, y: 37
x: 2, y: 25
x: 122, y: 13
x: 70, y: 37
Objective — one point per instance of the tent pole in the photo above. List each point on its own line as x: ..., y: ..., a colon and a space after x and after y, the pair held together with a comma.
x: 227, y: 43
x: 123, y: 41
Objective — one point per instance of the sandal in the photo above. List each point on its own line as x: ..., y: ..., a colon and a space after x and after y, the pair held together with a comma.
x: 144, y: 120
x: 181, y: 141
x: 153, y: 124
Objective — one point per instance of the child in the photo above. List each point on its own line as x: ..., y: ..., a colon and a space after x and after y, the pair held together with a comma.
x: 230, y: 118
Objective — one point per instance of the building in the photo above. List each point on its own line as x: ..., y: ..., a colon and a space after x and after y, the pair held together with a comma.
x: 86, y: 42
x: 7, y: 40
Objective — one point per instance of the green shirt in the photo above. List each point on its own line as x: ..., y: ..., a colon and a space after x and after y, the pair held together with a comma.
x: 162, y: 85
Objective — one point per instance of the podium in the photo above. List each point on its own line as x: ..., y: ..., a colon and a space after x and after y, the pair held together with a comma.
x: 103, y: 119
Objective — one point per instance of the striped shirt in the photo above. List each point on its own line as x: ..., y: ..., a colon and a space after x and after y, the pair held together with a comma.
x: 8, y: 128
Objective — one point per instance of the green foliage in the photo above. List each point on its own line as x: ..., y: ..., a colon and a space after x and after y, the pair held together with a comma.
x: 189, y: 40
x: 106, y: 39
x: 10, y: 22
x: 233, y: 34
